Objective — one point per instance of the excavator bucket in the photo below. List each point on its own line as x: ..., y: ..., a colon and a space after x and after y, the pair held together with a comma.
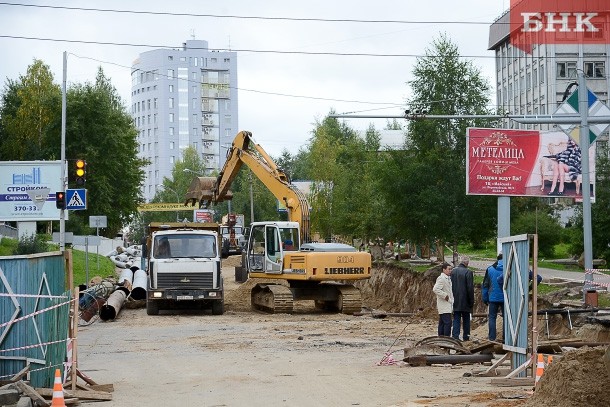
x: 202, y: 190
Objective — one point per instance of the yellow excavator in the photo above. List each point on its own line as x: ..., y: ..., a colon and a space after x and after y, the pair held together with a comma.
x: 321, y: 272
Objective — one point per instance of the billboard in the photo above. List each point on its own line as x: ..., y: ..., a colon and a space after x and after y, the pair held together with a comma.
x: 505, y: 162
x: 27, y: 190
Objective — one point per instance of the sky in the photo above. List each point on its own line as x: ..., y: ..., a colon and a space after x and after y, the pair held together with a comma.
x: 281, y: 95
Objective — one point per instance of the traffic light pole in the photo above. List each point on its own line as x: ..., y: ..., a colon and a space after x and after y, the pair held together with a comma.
x: 64, y: 184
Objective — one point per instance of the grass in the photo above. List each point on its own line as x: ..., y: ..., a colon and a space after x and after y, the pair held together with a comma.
x: 79, y: 261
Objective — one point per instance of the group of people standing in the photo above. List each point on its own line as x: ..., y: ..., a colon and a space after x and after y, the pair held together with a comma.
x: 454, y: 290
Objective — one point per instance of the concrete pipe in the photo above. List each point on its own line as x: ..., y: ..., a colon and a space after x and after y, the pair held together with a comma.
x: 119, y: 264
x: 125, y: 281
x: 122, y: 257
x: 113, y: 305
x: 140, y: 282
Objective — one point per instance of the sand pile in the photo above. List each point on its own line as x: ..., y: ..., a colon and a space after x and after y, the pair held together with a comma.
x: 579, y: 378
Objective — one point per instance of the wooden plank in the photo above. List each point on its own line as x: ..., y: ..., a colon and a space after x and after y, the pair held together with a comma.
x: 103, y: 387
x: 33, y: 394
x: 80, y: 394
x: 21, y: 373
x: 86, y: 378
x: 513, y: 382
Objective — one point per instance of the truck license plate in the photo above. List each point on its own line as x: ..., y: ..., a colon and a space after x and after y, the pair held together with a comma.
x: 184, y: 297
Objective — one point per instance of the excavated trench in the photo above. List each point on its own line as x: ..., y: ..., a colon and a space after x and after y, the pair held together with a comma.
x: 396, y: 288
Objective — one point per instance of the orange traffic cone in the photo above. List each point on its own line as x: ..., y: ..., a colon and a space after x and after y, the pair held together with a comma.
x: 58, y: 391
x: 539, y: 367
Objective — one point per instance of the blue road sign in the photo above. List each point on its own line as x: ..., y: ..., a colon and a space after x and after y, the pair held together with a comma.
x: 76, y: 199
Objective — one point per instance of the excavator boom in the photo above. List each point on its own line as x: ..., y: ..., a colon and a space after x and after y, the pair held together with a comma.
x: 243, y: 150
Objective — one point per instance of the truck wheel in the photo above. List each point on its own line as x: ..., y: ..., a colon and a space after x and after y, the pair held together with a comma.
x: 218, y: 307
x: 224, y: 251
x: 152, y: 307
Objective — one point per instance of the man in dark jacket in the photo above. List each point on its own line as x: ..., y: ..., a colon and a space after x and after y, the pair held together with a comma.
x: 493, y: 294
x: 463, y: 294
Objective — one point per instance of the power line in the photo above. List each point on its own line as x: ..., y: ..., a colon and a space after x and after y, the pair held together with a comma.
x: 351, y: 54
x: 387, y: 104
x: 165, y: 13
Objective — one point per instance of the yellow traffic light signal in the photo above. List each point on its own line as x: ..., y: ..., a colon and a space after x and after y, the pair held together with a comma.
x: 80, y: 172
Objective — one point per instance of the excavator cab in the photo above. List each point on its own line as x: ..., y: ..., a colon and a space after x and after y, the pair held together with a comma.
x: 267, y: 243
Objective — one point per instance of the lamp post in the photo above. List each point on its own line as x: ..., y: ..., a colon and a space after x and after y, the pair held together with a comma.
x: 177, y: 197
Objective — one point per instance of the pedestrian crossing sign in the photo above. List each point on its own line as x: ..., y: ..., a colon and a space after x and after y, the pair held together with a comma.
x: 76, y: 199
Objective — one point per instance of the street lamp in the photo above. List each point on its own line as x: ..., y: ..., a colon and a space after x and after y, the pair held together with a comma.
x: 177, y: 197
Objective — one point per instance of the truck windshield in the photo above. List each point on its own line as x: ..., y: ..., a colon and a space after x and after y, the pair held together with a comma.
x: 185, y: 245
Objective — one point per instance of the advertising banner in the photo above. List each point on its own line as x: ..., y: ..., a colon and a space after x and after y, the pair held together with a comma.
x: 505, y: 162
x: 27, y: 190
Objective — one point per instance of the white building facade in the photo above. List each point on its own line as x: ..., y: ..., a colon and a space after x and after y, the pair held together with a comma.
x: 180, y: 98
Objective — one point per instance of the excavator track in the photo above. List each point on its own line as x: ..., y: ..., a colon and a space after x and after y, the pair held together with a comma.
x: 273, y: 298
x: 350, y: 300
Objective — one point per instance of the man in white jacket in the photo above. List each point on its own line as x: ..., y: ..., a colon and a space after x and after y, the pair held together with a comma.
x: 444, y: 300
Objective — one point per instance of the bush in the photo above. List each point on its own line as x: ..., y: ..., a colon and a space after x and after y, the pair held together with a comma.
x: 31, y: 244
x: 548, y: 228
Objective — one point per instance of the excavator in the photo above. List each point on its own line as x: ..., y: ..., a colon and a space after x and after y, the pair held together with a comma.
x: 283, y: 250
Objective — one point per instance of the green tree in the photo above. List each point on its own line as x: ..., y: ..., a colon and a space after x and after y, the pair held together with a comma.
x: 100, y: 131
x: 547, y: 227
x: 341, y: 164
x: 427, y: 181
x: 28, y: 115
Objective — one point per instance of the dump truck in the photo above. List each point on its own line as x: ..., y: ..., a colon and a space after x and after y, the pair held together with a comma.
x: 322, y: 272
x: 183, y: 263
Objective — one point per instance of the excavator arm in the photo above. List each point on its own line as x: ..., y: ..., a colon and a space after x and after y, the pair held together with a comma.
x: 243, y: 150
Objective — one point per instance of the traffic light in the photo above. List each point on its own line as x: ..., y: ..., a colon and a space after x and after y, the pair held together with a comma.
x: 60, y: 200
x: 80, y: 171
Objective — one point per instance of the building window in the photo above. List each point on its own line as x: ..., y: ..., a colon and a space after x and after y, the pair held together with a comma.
x: 566, y: 69
x: 170, y: 58
x: 594, y: 69
x: 170, y: 103
x: 171, y: 88
x: 172, y: 159
x: 171, y: 117
x: 171, y: 131
x: 171, y: 145
x: 213, y: 60
x: 182, y: 59
x: 156, y: 103
x: 170, y: 74
x: 194, y: 106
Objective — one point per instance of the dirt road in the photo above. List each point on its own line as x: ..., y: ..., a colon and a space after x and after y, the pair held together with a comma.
x: 244, y: 358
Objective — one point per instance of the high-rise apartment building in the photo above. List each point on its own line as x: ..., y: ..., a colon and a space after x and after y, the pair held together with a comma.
x: 180, y: 98
x: 535, y: 83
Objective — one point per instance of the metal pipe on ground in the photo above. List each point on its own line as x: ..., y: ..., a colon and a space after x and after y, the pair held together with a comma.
x: 140, y: 282
x: 89, y: 312
x: 421, y: 360
x: 126, y: 281
x: 113, y: 305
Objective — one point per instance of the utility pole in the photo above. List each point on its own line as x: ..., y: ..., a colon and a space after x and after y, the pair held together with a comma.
x: 64, y: 184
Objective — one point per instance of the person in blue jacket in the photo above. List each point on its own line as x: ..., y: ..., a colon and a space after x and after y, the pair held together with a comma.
x: 493, y: 294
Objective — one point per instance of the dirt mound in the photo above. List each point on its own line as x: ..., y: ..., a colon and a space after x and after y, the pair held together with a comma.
x: 579, y: 378
x: 398, y: 288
